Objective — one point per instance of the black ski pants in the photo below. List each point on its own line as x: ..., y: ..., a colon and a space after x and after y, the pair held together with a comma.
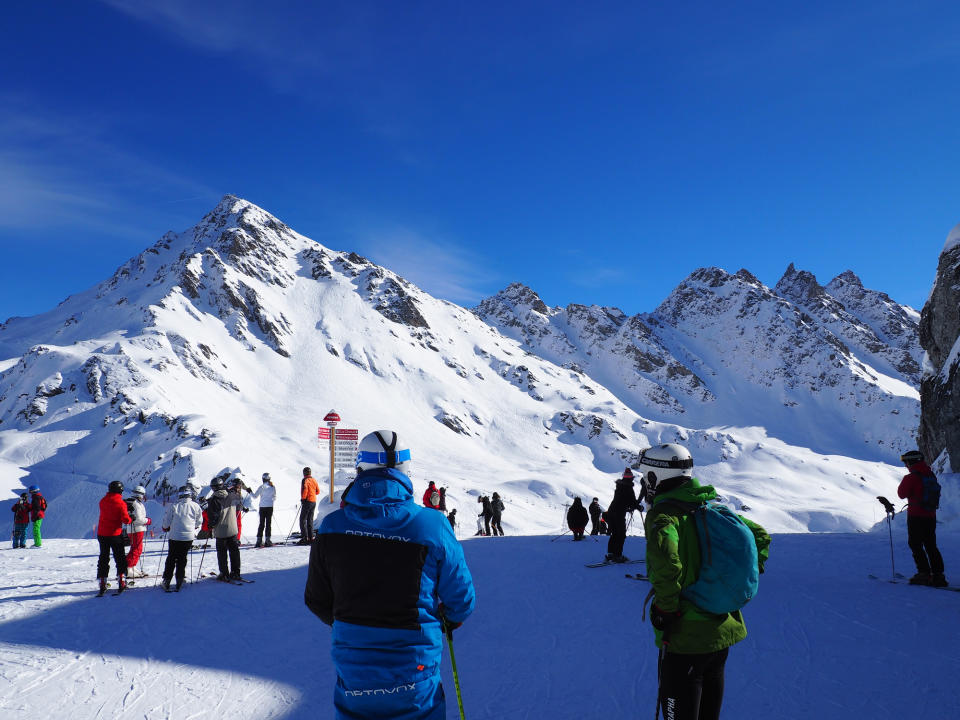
x: 691, y: 686
x: 307, y: 508
x: 266, y: 518
x: 176, y: 560
x: 618, y: 534
x: 111, y: 544
x: 922, y: 539
x: 595, y: 525
x: 228, y: 546
x: 495, y: 524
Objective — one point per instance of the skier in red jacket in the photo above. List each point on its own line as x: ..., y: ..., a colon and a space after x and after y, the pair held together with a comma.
x: 922, y: 521
x: 113, y: 516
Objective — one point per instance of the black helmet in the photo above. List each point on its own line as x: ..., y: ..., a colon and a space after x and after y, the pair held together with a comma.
x: 217, y: 483
x: 115, y: 486
x: 912, y: 457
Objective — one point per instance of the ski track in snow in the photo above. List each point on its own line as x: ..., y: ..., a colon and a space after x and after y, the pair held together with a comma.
x: 550, y: 639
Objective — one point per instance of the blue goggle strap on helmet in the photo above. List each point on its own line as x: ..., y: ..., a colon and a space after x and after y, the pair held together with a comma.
x: 382, y: 458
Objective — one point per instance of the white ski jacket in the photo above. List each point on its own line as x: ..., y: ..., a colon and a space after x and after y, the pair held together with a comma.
x: 267, y: 493
x: 183, y: 519
x: 139, y: 517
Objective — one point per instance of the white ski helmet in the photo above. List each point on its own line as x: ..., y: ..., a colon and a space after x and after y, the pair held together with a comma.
x: 379, y: 449
x: 140, y: 492
x: 663, y: 462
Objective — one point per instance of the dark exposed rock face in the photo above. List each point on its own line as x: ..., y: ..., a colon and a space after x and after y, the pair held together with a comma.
x: 940, y: 338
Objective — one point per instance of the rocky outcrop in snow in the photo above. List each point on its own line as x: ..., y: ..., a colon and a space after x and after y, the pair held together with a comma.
x: 940, y: 337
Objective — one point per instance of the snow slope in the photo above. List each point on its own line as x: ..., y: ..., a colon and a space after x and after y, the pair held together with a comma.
x: 549, y: 639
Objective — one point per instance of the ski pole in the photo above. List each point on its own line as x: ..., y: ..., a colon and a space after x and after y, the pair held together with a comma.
x: 162, y: 544
x: 453, y: 662
x: 296, y: 515
x: 891, y: 512
x: 560, y: 535
x: 200, y: 565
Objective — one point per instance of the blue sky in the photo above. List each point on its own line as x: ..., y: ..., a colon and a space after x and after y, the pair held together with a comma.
x: 597, y: 152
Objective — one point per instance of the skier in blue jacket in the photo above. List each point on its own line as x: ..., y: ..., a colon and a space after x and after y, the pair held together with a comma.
x: 385, y: 573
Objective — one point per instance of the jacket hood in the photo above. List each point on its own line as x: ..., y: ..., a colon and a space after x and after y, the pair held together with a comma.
x: 380, y: 493
x: 920, y: 468
x: 688, y: 490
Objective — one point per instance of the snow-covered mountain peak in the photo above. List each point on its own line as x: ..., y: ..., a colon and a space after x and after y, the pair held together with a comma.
x: 223, y: 345
x: 800, y: 286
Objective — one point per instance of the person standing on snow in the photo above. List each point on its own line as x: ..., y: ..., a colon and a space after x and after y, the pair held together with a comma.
x: 181, y: 521
x: 309, y: 489
x: 452, y: 517
x: 694, y: 643
x: 38, y: 510
x: 496, y: 510
x: 624, y: 501
x: 222, y: 515
x: 138, y: 526
x: 922, y: 520
x: 21, y: 518
x: 387, y: 574
x: 577, y: 519
x: 428, y: 495
x: 595, y: 511
x: 113, y: 516
x: 237, y: 486
x: 266, y: 494
x: 443, y: 499
x: 486, y: 513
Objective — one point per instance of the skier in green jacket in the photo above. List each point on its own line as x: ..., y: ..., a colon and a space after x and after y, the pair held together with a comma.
x: 694, y: 643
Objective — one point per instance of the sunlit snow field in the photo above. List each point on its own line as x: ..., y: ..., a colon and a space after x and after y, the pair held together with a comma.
x: 550, y: 639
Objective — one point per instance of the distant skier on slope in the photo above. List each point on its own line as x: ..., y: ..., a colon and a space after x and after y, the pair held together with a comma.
x: 384, y: 572
x: 428, y: 495
x: 624, y: 501
x: 267, y: 495
x: 222, y: 515
x: 113, y: 516
x: 577, y: 519
x: 496, y: 510
x: 922, y: 492
x: 181, y: 521
x: 21, y: 518
x: 138, y: 526
x: 694, y: 642
x: 486, y: 512
x: 594, y: 511
x: 38, y: 510
x: 309, y: 489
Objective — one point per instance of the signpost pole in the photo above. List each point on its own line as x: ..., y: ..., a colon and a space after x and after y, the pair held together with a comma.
x: 333, y: 433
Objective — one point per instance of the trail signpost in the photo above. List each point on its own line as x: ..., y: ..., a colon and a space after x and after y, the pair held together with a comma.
x: 342, y: 443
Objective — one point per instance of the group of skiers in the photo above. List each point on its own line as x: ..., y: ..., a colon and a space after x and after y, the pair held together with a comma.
x: 28, y: 510
x: 218, y: 516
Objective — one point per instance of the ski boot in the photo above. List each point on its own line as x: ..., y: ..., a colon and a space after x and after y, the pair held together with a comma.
x: 921, y: 578
x: 938, y: 580
x: 259, y: 543
x: 103, y: 587
x: 268, y: 543
x: 121, y: 584
x: 165, y: 584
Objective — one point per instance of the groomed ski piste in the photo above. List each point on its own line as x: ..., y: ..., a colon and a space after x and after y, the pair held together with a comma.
x: 550, y: 638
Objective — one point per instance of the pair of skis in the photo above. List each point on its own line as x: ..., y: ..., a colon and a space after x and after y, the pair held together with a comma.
x: 900, y: 581
x: 612, y: 562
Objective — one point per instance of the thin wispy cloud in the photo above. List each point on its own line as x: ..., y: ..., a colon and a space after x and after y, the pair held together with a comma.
x: 441, y: 267
x: 58, y: 171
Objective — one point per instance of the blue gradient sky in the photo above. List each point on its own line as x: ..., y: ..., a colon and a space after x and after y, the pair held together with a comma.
x: 597, y: 154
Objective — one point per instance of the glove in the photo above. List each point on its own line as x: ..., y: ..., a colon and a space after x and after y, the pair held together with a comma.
x: 166, y: 530
x: 449, y: 625
x: 149, y: 521
x: 661, y: 619
x: 246, y: 510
